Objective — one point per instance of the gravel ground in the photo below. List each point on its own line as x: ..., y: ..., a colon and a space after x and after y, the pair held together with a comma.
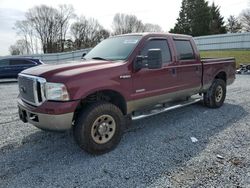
x: 154, y: 152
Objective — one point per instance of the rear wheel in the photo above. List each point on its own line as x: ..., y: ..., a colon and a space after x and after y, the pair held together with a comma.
x: 216, y: 94
x: 99, y: 127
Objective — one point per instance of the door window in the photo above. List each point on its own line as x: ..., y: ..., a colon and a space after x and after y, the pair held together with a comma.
x: 20, y: 62
x: 4, y: 62
x: 184, y: 50
x: 158, y: 44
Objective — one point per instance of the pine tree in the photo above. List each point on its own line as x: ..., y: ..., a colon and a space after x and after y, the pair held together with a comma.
x: 194, y: 18
x: 183, y: 25
x: 199, y: 12
x: 216, y: 23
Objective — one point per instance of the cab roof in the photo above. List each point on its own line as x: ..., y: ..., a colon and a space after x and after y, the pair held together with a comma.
x: 160, y: 34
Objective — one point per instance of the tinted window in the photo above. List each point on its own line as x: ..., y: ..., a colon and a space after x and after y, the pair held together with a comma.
x: 27, y: 62
x: 184, y: 50
x: 4, y: 62
x: 158, y: 44
x: 20, y: 62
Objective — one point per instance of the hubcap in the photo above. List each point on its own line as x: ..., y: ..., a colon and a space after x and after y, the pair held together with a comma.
x: 103, y: 129
x: 218, y: 94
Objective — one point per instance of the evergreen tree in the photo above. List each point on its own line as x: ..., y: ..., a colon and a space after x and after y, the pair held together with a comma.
x: 216, y: 23
x: 183, y: 24
x: 200, y: 17
x: 197, y: 18
x: 194, y: 18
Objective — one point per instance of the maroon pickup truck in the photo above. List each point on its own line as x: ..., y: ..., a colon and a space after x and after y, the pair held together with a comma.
x: 124, y: 77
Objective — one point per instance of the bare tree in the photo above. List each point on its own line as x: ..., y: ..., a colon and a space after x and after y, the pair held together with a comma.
x: 233, y: 25
x: 48, y: 24
x: 20, y: 48
x: 245, y: 20
x: 123, y: 23
x: 87, y: 32
x: 26, y: 31
x: 14, y: 50
x: 79, y: 31
x: 101, y: 35
x: 96, y: 32
x: 45, y: 21
x: 65, y: 13
x: 148, y: 27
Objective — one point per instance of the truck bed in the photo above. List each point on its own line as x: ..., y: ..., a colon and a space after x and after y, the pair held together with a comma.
x: 213, y: 66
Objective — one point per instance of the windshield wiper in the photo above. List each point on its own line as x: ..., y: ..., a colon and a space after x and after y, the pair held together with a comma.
x: 100, y: 58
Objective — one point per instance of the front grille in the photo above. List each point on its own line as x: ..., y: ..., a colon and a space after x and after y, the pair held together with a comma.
x: 31, y: 89
x: 26, y: 88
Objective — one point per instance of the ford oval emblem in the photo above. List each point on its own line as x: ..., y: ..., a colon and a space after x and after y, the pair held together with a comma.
x: 23, y: 89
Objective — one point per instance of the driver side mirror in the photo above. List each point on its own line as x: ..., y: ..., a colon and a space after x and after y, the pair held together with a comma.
x: 153, y: 60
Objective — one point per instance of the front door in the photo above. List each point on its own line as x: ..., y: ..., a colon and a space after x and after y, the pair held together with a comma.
x: 150, y: 86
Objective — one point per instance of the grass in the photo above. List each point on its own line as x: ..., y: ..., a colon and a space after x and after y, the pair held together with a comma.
x: 241, y: 56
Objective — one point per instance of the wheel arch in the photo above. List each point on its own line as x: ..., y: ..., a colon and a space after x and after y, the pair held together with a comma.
x: 108, y: 95
x: 221, y: 75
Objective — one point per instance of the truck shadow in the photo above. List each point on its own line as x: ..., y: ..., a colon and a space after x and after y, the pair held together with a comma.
x: 150, y: 147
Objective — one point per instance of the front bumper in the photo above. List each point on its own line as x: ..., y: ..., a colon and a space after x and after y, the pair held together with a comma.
x: 55, y: 122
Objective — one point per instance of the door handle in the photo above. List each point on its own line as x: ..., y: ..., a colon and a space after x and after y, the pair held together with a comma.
x: 7, y: 68
x: 173, y: 71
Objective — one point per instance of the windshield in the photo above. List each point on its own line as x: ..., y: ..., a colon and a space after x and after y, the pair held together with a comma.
x: 116, y: 48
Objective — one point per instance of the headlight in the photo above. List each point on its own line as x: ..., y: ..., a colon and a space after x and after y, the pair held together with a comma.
x: 56, y: 91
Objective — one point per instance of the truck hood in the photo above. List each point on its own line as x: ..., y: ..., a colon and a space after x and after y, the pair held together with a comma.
x: 70, y: 68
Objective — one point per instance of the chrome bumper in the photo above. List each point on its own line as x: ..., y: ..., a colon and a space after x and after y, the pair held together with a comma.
x: 46, y: 121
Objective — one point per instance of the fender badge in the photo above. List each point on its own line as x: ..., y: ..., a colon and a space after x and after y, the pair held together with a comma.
x: 140, y: 90
x: 125, y: 76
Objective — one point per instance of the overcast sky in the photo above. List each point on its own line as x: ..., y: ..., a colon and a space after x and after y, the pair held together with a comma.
x: 160, y: 12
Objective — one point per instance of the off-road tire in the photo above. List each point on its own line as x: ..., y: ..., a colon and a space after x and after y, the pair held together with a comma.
x: 216, y: 94
x: 86, y: 120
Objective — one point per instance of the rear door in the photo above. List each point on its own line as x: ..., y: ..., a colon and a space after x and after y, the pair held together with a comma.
x: 189, y: 68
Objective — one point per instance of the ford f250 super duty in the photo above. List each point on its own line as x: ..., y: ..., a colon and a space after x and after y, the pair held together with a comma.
x: 124, y: 77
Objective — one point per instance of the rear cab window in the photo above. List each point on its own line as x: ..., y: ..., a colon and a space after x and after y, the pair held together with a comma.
x: 184, y: 50
x: 161, y: 44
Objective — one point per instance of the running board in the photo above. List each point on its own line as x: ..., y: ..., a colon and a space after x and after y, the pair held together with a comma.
x: 161, y: 110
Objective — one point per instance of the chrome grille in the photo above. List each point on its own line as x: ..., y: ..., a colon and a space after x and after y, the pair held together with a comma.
x: 31, y: 89
x: 26, y: 88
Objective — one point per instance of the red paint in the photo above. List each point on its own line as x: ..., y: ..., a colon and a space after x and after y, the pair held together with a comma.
x: 86, y: 77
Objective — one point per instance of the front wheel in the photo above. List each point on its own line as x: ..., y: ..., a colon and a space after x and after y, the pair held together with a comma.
x: 216, y: 94
x: 99, y: 127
